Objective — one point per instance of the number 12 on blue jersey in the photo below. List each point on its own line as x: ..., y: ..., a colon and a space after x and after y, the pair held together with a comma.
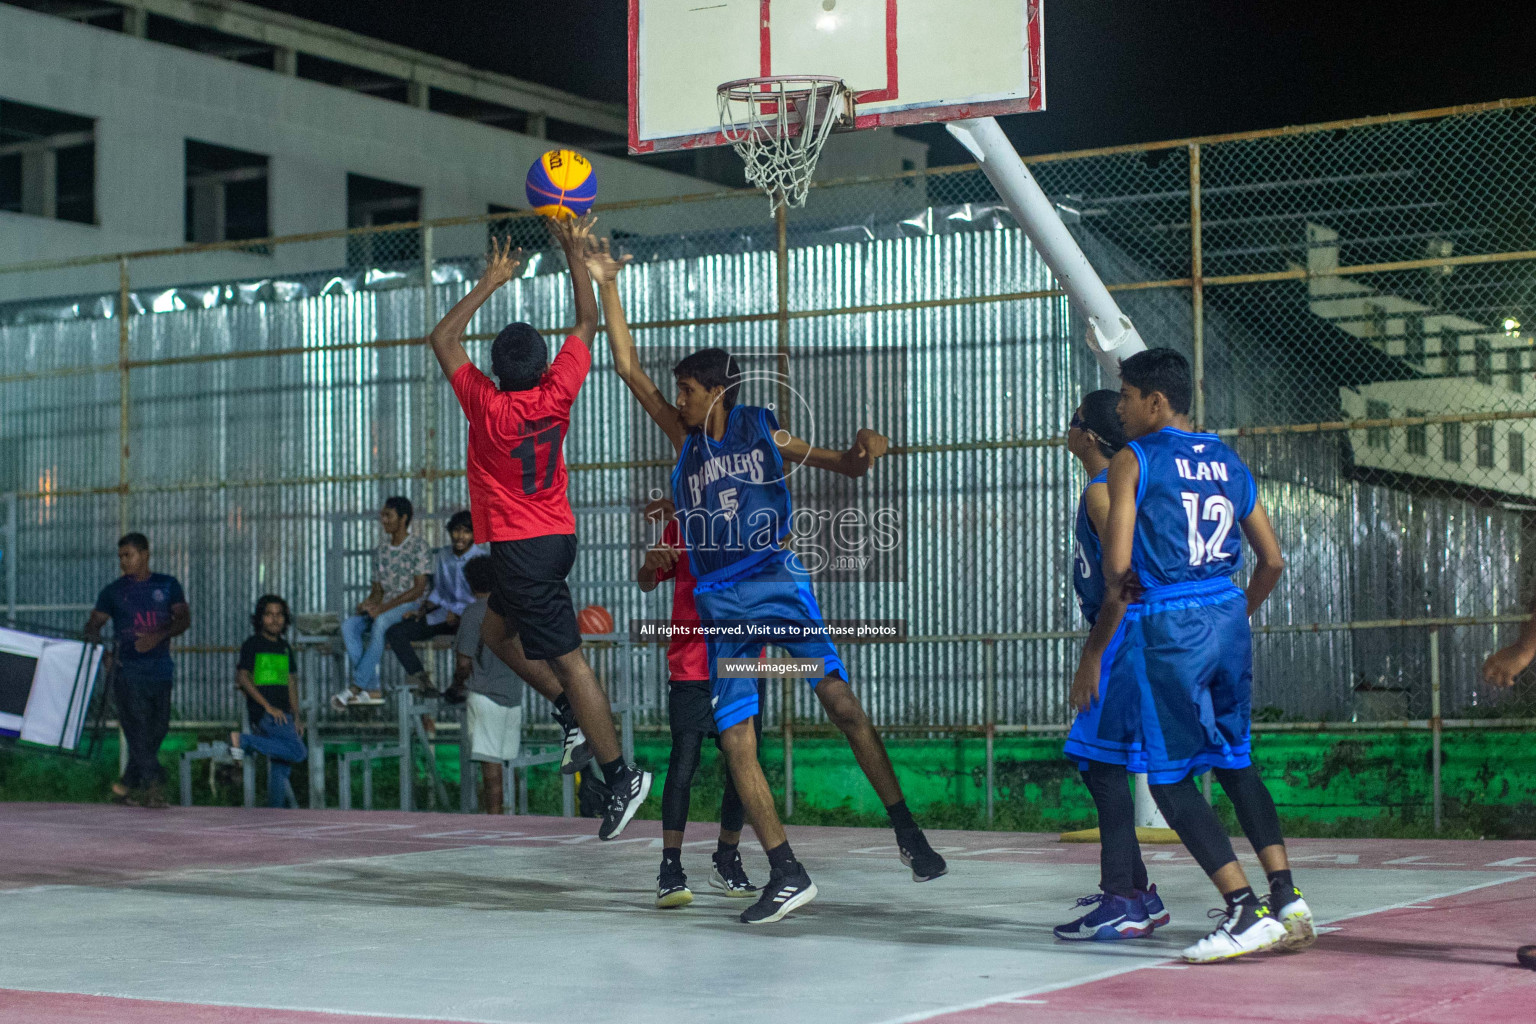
x: 1215, y: 509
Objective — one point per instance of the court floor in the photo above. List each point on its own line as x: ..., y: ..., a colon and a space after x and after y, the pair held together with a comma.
x: 233, y: 915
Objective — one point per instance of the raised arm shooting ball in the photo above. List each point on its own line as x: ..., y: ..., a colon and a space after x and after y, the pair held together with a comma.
x: 562, y: 183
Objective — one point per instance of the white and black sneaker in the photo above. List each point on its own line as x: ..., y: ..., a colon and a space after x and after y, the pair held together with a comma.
x: 672, y: 886
x: 1295, y: 916
x: 729, y: 875
x: 575, y: 753
x: 916, y: 854
x: 629, y: 791
x: 782, y: 894
x: 1245, y: 928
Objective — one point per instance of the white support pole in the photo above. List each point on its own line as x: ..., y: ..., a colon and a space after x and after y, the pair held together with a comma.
x: 1147, y: 814
x: 1111, y: 335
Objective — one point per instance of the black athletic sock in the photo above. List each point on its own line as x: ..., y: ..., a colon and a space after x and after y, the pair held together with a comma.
x: 563, y: 713
x: 613, y: 770
x: 1280, y: 882
x: 724, y: 849
x: 672, y: 855
x: 901, y: 818
x: 1243, y: 897
x: 781, y: 859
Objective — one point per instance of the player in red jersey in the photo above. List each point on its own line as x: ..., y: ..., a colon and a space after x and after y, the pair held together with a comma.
x: 517, y: 493
x: 691, y: 716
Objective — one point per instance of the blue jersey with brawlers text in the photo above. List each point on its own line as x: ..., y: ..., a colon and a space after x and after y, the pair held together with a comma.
x: 1191, y: 494
x: 733, y: 506
x: 1088, y: 564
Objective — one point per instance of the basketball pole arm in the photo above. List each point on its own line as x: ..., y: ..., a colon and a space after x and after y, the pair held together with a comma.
x: 1111, y: 335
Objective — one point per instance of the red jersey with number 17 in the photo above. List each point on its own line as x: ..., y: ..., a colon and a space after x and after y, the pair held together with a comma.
x: 516, y: 466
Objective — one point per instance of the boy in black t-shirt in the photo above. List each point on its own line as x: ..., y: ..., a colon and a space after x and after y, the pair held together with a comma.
x: 265, y: 675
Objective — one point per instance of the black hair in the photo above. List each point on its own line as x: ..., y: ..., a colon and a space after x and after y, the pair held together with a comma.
x: 134, y: 540
x: 1099, y: 417
x: 519, y: 357
x: 712, y: 368
x: 402, y: 506
x: 1161, y: 369
x: 480, y: 574
x: 261, y: 609
x: 460, y: 521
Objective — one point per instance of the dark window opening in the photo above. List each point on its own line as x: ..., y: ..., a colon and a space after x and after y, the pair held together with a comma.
x: 1482, y: 360
x: 455, y: 105
x: 1413, y: 339
x: 1450, y: 442
x: 1485, y: 447
x: 1377, y: 437
x: 227, y: 194
x: 1516, y: 379
x: 345, y: 76
x: 373, y: 202
x: 1418, y: 436
x: 1516, y: 452
x: 47, y: 163
x: 208, y: 41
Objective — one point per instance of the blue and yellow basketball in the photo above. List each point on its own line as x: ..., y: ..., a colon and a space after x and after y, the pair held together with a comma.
x: 561, y: 183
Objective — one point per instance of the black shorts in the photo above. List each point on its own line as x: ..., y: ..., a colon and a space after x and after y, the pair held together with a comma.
x: 691, y: 708
x: 532, y: 596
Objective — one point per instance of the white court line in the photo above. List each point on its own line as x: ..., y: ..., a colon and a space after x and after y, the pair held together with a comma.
x: 265, y: 1006
x: 1114, y: 972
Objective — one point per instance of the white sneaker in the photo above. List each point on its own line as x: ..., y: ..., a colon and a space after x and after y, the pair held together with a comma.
x: 339, y: 701
x: 363, y: 698
x: 1244, y: 929
x: 1296, y: 917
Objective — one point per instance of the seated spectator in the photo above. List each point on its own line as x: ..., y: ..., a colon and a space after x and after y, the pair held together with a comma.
x: 265, y: 674
x: 401, y: 563
x: 494, y: 703
x: 439, y: 613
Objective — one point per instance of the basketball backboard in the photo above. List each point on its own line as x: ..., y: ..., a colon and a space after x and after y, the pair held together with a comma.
x: 907, y: 61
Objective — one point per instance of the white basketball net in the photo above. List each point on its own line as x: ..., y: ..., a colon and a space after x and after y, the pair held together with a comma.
x: 778, y: 126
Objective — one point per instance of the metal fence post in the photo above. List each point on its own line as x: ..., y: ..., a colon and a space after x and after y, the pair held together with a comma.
x: 781, y: 290
x: 407, y: 755
x: 1435, y: 723
x: 123, y: 395
x: 989, y: 663
x: 787, y: 724
x: 1197, y: 284
x: 429, y: 378
x: 12, y: 535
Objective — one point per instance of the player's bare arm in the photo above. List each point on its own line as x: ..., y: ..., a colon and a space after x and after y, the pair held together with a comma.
x: 574, y: 234
x: 1504, y: 664
x: 181, y: 621
x: 867, y: 446
x: 447, y: 339
x: 605, y: 268
x: 1117, y: 532
x: 658, y: 559
x: 1268, y: 563
x: 248, y: 686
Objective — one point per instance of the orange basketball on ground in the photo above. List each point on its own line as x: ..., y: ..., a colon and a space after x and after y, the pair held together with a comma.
x: 594, y: 619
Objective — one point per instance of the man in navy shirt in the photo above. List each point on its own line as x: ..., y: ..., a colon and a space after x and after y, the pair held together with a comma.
x: 146, y: 609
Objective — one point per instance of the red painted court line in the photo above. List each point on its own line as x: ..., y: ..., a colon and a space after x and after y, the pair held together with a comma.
x: 1451, y: 964
x: 18, y: 1007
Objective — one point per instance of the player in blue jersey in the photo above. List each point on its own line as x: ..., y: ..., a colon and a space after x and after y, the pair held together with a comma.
x: 734, y: 515
x: 1126, y: 906
x: 1178, y: 501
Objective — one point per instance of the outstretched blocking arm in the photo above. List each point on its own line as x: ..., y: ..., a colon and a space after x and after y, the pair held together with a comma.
x: 447, y: 338
x: 1118, y: 533
x: 1504, y: 664
x: 573, y: 234
x: 604, y: 268
x: 1268, y: 563
x: 867, y: 446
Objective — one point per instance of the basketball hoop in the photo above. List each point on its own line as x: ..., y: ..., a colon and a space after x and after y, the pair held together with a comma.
x: 778, y: 125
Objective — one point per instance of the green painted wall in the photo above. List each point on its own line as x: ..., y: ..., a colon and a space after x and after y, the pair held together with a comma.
x: 1323, y: 784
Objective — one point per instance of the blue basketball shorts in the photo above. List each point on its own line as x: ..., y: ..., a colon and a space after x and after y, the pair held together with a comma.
x: 1193, y: 664
x: 774, y: 605
x: 1110, y: 729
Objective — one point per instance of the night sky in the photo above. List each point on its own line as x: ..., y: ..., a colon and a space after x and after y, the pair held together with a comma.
x: 1117, y: 71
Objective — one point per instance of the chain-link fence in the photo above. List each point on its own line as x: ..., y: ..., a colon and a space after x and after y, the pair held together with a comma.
x: 1359, y: 300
